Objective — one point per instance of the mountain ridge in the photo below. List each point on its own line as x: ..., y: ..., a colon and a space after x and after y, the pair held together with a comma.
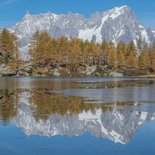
x: 116, y: 24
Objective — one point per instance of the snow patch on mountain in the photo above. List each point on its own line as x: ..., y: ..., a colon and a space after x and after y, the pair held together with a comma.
x: 87, y: 34
x: 24, y: 52
x: 117, y: 12
x: 144, y: 34
x: 153, y: 31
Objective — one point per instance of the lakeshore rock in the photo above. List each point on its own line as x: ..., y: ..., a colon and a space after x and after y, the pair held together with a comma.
x: 6, y: 71
x: 116, y: 74
x: 56, y: 73
x: 90, y: 69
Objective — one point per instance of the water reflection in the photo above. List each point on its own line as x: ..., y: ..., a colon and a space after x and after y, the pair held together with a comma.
x: 8, y: 105
x: 81, y: 83
x: 42, y: 112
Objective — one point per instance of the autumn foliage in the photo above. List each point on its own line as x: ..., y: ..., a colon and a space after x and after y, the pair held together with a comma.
x: 73, y: 53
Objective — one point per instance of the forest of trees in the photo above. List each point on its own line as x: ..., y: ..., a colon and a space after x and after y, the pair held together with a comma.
x: 73, y: 53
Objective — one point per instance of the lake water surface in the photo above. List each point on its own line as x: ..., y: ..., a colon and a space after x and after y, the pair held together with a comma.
x: 77, y: 116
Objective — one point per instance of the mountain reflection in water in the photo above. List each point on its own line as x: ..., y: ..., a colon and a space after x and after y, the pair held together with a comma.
x: 47, y: 113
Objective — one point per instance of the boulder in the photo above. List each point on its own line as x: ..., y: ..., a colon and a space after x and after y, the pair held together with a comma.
x: 116, y: 74
x: 90, y: 69
x: 8, y: 73
x: 56, y: 73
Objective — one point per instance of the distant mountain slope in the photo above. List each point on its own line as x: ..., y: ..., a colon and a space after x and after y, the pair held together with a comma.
x: 119, y: 23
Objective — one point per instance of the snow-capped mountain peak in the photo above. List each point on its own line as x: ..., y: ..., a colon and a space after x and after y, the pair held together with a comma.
x: 117, y: 24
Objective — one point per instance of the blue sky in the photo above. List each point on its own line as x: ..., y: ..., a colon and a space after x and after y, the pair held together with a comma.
x: 12, y: 11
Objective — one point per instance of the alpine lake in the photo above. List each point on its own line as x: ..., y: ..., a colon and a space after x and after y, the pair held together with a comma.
x: 77, y: 116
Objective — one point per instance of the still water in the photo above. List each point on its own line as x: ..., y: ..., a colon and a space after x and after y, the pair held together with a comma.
x: 77, y: 116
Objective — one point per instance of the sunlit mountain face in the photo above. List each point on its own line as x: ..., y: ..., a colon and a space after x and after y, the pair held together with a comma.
x: 71, y: 107
x: 116, y: 24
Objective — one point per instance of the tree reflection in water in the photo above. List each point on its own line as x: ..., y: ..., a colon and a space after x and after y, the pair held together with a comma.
x: 40, y: 112
x: 8, y: 105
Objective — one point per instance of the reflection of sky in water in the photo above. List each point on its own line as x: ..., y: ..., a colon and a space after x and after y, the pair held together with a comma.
x: 16, y: 143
